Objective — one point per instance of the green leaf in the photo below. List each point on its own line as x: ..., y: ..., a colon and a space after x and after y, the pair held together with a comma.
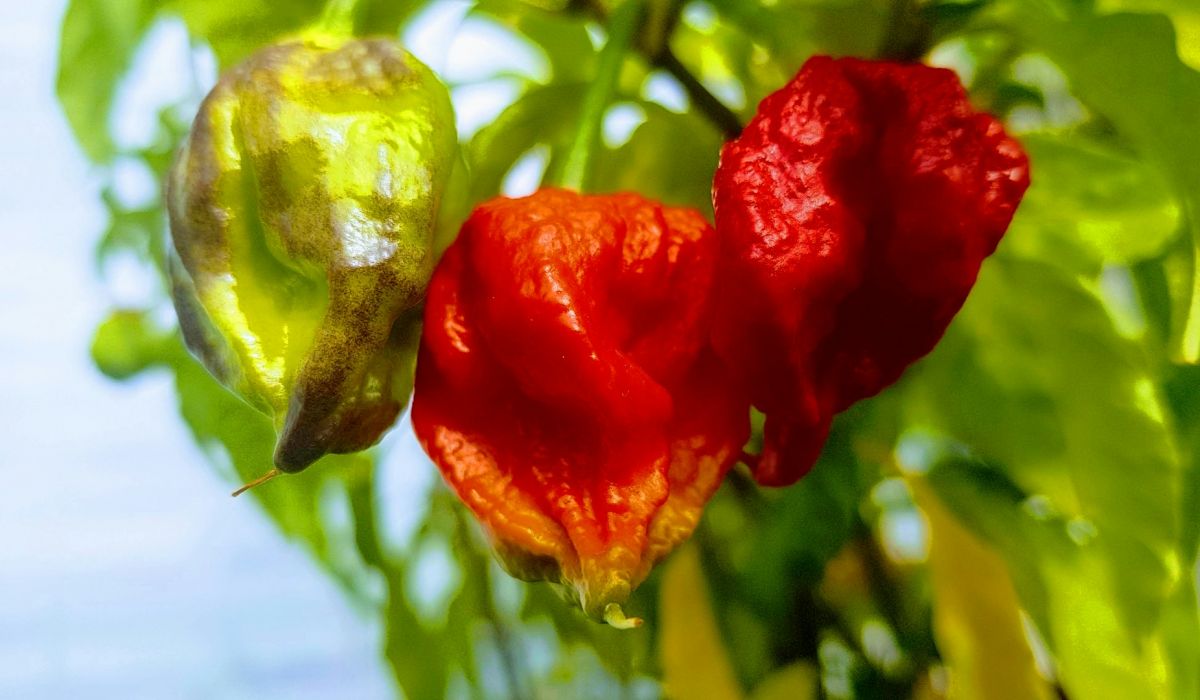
x: 1126, y: 68
x: 694, y: 659
x: 234, y: 30
x: 796, y: 681
x: 1066, y: 587
x: 541, y: 116
x: 670, y: 157
x: 789, y: 549
x: 128, y: 342
x: 1091, y: 206
x: 563, y: 39
x: 1185, y: 14
x: 793, y: 30
x: 98, y: 40
x: 385, y: 17
x: 976, y: 613
x: 1034, y: 376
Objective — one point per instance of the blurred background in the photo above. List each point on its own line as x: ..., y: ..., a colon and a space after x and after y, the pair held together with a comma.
x: 126, y: 571
x: 1016, y: 518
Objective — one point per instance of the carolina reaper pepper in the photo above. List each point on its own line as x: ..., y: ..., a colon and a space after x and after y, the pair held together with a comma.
x: 303, y: 209
x: 566, y: 388
x: 854, y: 212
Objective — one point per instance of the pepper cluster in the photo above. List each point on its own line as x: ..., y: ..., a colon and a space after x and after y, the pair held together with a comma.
x: 588, y: 362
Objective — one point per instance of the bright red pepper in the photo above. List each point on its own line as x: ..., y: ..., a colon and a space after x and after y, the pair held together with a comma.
x: 854, y: 212
x: 566, y: 387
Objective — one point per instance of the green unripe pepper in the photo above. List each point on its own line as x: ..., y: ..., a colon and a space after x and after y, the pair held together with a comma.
x: 304, y: 210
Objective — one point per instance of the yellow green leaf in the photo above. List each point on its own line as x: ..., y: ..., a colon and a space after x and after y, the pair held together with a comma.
x: 796, y: 681
x: 694, y: 660
x: 976, y: 616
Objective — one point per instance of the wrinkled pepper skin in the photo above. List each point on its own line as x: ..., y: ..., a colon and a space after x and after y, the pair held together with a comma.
x: 567, y: 391
x: 854, y: 213
x: 303, y: 207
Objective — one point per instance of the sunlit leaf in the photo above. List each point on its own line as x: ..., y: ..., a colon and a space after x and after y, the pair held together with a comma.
x: 797, y: 681
x: 1053, y: 392
x: 1091, y: 206
x: 1127, y: 69
x: 793, y: 30
x: 670, y: 157
x: 561, y: 37
x: 1185, y: 14
x: 543, y: 115
x: 1067, y: 587
x: 976, y: 615
x: 692, y: 653
x: 235, y: 30
x: 98, y: 41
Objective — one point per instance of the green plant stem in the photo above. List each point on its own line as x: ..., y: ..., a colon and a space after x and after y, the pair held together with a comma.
x: 337, y: 17
x: 514, y: 673
x: 721, y: 116
x: 577, y: 168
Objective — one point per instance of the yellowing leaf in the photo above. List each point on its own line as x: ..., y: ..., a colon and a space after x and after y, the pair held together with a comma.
x: 694, y: 660
x: 975, y: 613
x: 796, y: 681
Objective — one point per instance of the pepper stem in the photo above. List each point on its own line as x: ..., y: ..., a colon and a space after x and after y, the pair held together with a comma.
x: 616, y: 619
x: 257, y: 482
x: 576, y: 171
x: 337, y: 18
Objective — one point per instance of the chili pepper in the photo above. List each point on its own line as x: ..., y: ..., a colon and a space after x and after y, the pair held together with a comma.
x: 854, y: 213
x: 303, y: 209
x: 566, y: 388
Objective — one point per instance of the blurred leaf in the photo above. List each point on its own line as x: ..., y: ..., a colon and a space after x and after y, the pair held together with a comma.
x: 1067, y: 587
x: 1185, y: 14
x: 235, y: 435
x: 694, y: 660
x: 670, y: 157
x: 804, y: 528
x: 793, y: 30
x: 975, y: 613
x: 796, y: 681
x: 623, y: 652
x: 1126, y: 68
x: 98, y: 40
x: 385, y: 17
x: 412, y: 651
x: 237, y: 29
x: 563, y: 39
x: 138, y: 231
x: 1091, y: 206
x: 946, y: 19
x: 1034, y: 376
x: 1050, y: 389
x: 543, y: 115
x: 231, y: 431
x: 128, y: 342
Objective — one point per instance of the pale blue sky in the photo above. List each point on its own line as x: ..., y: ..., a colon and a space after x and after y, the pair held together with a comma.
x: 126, y: 571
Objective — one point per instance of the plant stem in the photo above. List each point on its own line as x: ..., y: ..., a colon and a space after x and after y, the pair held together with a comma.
x: 514, y: 674
x: 623, y: 25
x: 337, y: 17
x: 722, y: 117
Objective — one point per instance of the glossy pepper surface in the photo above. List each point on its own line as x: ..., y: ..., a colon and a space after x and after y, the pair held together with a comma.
x: 566, y: 387
x: 854, y: 212
x: 303, y: 209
